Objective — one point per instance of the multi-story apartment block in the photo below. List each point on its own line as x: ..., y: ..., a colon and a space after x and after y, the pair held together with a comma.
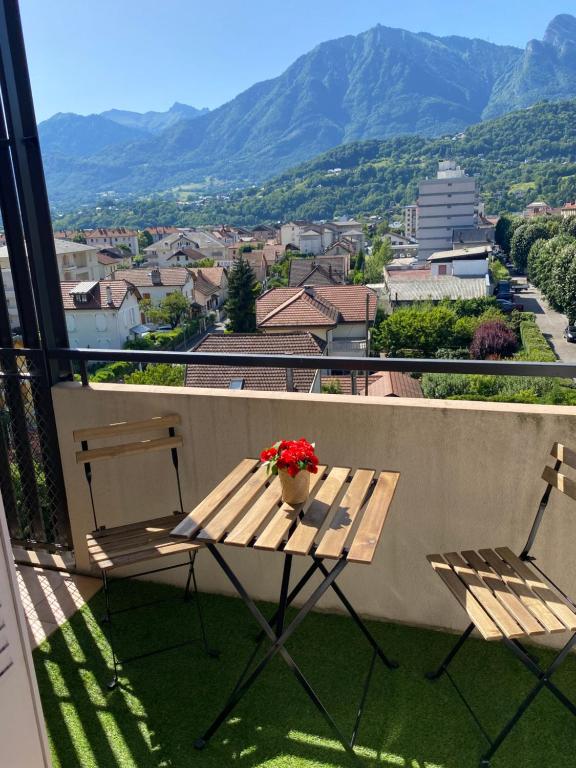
x: 411, y: 221
x: 446, y: 203
x: 112, y: 238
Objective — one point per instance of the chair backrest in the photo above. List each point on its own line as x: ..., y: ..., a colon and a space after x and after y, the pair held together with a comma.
x: 556, y: 480
x: 134, y: 444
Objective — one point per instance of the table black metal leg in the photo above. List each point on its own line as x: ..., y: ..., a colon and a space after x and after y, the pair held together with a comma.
x: 363, y: 628
x: 277, y: 647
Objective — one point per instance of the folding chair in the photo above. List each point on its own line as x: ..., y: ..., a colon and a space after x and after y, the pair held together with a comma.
x: 135, y: 543
x: 508, y: 600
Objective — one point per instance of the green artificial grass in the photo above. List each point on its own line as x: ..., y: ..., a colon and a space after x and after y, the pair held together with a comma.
x: 164, y: 703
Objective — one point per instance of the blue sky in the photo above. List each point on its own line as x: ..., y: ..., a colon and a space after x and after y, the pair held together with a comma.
x: 91, y: 55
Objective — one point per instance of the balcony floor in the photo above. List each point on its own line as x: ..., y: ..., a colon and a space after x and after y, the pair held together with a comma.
x: 163, y: 704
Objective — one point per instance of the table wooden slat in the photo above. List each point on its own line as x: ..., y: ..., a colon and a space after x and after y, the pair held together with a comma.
x: 301, y: 541
x: 225, y: 518
x: 248, y: 526
x: 517, y: 584
x: 334, y: 539
x: 369, y: 531
x: 477, y: 614
x: 274, y: 533
x: 200, y: 514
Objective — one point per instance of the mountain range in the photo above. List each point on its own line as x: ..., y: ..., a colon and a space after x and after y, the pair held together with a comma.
x: 382, y: 83
x: 525, y: 155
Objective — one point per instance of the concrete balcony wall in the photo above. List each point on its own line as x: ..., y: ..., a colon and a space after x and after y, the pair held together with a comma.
x: 470, y: 478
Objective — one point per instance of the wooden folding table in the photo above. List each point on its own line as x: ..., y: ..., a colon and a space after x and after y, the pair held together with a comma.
x: 342, y: 521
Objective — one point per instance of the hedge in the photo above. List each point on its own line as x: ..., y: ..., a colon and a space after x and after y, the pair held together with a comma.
x: 534, y: 345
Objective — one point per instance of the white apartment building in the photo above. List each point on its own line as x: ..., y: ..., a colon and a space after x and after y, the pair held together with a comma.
x: 411, y: 221
x: 112, y: 238
x: 446, y: 203
x: 100, y: 314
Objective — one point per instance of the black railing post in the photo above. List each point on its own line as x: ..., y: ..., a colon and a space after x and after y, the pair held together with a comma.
x: 31, y: 186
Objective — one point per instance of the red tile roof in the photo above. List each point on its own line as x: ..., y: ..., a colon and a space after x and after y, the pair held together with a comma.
x: 214, y: 275
x: 98, y: 296
x: 110, y: 232
x: 315, y: 306
x: 383, y: 384
x: 267, y: 379
x: 172, y: 276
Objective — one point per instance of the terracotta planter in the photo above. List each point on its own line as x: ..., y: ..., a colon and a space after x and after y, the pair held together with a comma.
x: 295, y: 490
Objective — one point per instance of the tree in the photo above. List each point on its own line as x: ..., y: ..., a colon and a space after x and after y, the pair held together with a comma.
x: 241, y: 304
x: 567, y: 293
x: 425, y: 328
x: 207, y: 262
x: 524, y: 238
x: 124, y: 248
x: 144, y: 239
x: 174, y: 308
x: 504, y: 230
x: 380, y: 256
x: 79, y: 237
x: 160, y: 374
x: 493, y: 339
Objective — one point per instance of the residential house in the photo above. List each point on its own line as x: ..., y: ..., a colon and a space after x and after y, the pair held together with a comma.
x: 537, y: 208
x: 341, y: 247
x: 264, y: 233
x: 465, y: 262
x: 404, y: 287
x: 273, y: 252
x: 159, y: 252
x: 112, y: 238
x: 158, y: 233
x: 100, y: 313
x: 155, y: 284
x: 381, y: 384
x: 337, y: 314
x: 308, y: 237
x: 334, y: 270
x: 266, y: 379
x: 210, y: 289
x: 8, y: 284
x: 76, y: 261
x: 258, y: 263
x: 568, y: 210
x: 111, y: 259
x: 182, y: 257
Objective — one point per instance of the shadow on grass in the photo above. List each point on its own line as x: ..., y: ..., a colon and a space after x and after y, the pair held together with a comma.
x: 165, y: 702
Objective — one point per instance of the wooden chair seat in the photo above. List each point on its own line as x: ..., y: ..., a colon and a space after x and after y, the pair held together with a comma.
x: 110, y: 548
x: 502, y: 595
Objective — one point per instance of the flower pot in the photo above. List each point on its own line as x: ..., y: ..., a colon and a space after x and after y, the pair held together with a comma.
x: 295, y: 490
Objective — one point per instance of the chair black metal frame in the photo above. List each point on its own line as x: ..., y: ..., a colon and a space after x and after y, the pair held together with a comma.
x: 189, y: 563
x: 563, y: 483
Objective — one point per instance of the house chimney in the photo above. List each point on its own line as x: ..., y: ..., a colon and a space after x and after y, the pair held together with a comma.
x: 109, y: 296
x: 156, y: 277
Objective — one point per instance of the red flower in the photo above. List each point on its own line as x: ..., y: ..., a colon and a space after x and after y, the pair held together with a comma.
x: 292, y: 456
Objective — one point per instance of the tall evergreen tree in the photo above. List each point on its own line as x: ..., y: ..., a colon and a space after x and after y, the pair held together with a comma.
x: 241, y: 304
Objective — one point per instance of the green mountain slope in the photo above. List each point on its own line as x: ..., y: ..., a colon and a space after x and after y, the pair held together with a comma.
x: 382, y: 83
x: 526, y: 155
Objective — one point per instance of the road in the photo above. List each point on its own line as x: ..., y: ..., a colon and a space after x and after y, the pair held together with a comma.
x: 550, y: 322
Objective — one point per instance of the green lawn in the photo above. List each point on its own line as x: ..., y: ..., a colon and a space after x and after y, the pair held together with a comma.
x: 164, y: 703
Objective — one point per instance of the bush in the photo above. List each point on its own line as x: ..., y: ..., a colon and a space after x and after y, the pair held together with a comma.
x: 112, y: 372
x: 446, y: 353
x: 332, y: 388
x: 493, y: 339
x: 159, y: 374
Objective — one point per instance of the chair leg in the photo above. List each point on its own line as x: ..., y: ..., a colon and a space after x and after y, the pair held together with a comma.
x: 192, y: 575
x: 192, y: 558
x: 437, y: 674
x: 110, y: 632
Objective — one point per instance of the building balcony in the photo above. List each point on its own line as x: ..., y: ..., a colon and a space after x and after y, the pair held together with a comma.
x: 469, y: 477
x: 347, y: 347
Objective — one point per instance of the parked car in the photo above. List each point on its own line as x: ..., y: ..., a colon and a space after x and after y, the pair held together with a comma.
x: 506, y: 306
x: 570, y: 333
